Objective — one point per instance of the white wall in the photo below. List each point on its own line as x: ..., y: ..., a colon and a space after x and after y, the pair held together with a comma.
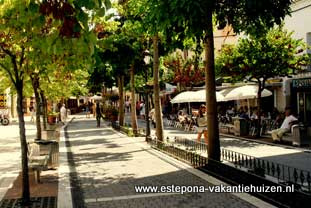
x: 300, y: 19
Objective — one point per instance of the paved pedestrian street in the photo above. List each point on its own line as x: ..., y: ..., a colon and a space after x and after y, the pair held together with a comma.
x: 106, y: 166
x: 10, y: 153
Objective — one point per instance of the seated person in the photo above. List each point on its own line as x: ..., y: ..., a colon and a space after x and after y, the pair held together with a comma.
x: 181, y: 116
x: 244, y: 115
x: 285, y: 127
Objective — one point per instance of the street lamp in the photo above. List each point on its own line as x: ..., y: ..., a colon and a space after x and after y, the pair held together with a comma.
x: 147, y: 59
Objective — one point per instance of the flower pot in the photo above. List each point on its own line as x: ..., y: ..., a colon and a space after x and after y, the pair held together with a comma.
x: 113, y: 118
x: 51, y: 119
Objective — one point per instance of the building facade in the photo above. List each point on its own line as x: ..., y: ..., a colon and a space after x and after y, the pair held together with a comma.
x: 297, y: 89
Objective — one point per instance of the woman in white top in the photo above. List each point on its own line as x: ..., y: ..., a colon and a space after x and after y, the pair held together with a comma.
x: 202, y: 124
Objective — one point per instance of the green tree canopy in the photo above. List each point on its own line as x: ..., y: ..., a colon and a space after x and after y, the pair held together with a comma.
x: 260, y: 58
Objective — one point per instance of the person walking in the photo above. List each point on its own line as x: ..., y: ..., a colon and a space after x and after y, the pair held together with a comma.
x: 127, y: 106
x: 142, y: 110
x: 87, y: 110
x: 202, y: 124
x: 63, y: 114
x: 138, y: 108
x: 32, y: 113
x: 98, y: 111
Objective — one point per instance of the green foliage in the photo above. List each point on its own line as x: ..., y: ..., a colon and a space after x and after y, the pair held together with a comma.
x: 188, y: 18
x: 38, y: 34
x: 118, y: 50
x: 261, y: 58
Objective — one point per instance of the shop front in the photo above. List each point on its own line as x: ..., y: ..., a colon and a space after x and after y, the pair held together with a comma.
x: 301, y: 99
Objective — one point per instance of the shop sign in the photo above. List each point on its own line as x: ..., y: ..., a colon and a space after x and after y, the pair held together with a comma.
x: 302, y: 83
x: 2, y: 101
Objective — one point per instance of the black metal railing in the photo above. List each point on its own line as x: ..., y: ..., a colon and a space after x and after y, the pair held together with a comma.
x: 195, y: 153
x: 284, y: 174
x: 126, y: 129
x: 189, y: 144
x: 190, y: 157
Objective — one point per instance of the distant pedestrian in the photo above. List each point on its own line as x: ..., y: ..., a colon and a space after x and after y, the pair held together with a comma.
x: 32, y: 113
x: 138, y: 108
x: 98, y: 110
x: 127, y: 106
x: 202, y: 124
x: 87, y: 111
x: 142, y: 110
x: 63, y: 114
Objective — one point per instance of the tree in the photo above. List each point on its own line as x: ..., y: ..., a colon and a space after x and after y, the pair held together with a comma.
x: 186, y: 72
x: 22, y: 22
x: 123, y: 49
x: 258, y: 58
x: 14, y: 44
x: 195, y: 19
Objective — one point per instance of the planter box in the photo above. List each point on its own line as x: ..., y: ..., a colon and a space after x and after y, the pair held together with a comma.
x: 52, y: 119
x: 50, y: 148
x: 50, y: 135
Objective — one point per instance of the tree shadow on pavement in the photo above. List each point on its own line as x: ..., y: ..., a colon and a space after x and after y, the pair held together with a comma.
x: 230, y: 142
x: 123, y: 185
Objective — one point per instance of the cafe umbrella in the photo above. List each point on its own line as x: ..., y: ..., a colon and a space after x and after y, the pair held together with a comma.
x: 246, y: 92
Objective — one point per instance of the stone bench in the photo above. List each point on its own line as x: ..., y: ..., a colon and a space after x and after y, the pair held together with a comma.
x: 298, y: 136
x: 228, y: 127
x: 36, y: 161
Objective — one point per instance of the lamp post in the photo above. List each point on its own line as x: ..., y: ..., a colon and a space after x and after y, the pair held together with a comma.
x: 147, y: 62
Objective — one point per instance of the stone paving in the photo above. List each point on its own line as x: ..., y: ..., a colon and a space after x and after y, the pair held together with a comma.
x: 10, y: 153
x: 105, y: 167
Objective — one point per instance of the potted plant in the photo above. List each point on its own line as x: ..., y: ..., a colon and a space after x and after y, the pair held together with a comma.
x: 52, y: 117
x: 113, y: 114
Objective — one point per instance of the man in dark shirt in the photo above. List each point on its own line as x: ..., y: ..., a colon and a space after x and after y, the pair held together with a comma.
x: 98, y: 111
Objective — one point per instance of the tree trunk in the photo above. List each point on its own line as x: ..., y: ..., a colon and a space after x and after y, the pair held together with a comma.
x: 44, y: 113
x: 147, y: 107
x: 156, y: 89
x: 121, y: 103
x: 133, y: 101
x: 259, y: 108
x: 24, y: 150
x: 35, y: 86
x: 12, y: 106
x: 211, y: 105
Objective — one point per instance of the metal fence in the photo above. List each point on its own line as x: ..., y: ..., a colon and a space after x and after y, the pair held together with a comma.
x: 284, y: 174
x: 190, y: 157
x: 195, y: 153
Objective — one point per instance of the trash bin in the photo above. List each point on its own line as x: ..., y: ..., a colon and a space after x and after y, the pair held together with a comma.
x: 240, y: 126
